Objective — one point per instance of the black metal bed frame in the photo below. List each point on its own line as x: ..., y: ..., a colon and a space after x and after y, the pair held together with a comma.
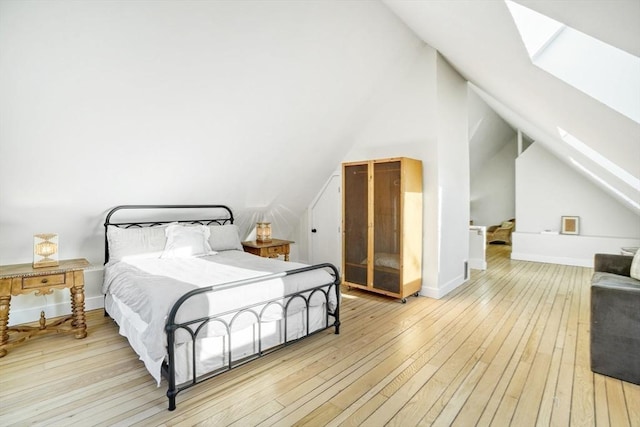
x: 194, y: 326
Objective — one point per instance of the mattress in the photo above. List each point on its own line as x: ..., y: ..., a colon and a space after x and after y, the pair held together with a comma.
x: 140, y: 293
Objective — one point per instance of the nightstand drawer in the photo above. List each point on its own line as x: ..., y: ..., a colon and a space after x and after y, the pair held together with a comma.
x: 38, y: 281
x: 268, y: 249
x: 276, y: 250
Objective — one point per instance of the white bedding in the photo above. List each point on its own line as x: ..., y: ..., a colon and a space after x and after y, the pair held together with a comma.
x: 148, y: 288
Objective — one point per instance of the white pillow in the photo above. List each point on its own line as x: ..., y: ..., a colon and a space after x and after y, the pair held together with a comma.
x: 186, y: 241
x: 383, y: 259
x: 225, y: 237
x: 635, y: 266
x: 137, y: 242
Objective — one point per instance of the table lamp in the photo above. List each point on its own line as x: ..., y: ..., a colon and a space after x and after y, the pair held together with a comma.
x: 263, y: 232
x: 45, y: 250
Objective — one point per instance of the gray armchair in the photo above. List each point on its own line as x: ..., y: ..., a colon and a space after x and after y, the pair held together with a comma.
x: 615, y: 318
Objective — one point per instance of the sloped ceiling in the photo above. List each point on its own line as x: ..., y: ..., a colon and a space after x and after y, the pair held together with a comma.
x: 480, y: 39
x: 615, y: 23
x: 248, y: 103
x: 488, y: 133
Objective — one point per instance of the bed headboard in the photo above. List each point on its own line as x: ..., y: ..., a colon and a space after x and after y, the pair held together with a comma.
x: 155, y: 215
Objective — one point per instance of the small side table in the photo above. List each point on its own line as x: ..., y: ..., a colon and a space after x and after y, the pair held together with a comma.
x: 23, y: 279
x: 271, y: 249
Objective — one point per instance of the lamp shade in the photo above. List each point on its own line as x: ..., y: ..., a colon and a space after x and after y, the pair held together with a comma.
x: 45, y: 250
x: 263, y: 232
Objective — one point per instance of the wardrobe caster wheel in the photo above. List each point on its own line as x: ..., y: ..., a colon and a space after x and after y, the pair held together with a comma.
x: 417, y: 294
x: 403, y: 300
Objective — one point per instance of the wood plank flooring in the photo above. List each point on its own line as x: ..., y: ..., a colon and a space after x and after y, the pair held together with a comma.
x: 510, y: 347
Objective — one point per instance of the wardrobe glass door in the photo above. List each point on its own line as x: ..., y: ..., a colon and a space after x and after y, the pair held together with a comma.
x: 356, y: 240
x: 386, y: 226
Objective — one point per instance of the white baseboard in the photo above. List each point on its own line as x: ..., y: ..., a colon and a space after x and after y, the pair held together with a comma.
x: 565, y: 249
x: 440, y: 292
x: 477, y: 264
x: 579, y: 262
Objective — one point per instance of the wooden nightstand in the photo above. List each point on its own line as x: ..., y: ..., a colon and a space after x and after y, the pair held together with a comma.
x: 23, y: 279
x: 268, y: 249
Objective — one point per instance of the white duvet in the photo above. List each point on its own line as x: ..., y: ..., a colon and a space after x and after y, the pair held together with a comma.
x: 150, y: 287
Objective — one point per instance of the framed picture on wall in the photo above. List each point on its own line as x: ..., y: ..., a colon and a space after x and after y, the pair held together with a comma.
x: 570, y: 225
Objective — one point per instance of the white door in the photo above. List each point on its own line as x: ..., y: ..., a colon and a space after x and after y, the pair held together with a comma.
x: 326, y: 241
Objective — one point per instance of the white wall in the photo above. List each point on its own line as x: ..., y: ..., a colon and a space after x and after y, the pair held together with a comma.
x: 546, y: 190
x: 598, y: 164
x: 424, y: 117
x: 405, y: 125
x: 453, y: 180
x: 250, y: 103
x: 566, y: 249
x: 477, y: 247
x: 493, y: 187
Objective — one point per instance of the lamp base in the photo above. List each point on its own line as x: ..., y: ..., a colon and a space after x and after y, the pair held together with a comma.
x: 45, y: 263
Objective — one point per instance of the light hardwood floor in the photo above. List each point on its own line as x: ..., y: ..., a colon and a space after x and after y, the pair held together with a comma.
x: 510, y: 347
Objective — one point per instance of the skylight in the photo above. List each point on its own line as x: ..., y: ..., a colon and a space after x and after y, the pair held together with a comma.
x: 611, y: 167
x: 598, y: 158
x: 604, y: 72
x: 617, y: 192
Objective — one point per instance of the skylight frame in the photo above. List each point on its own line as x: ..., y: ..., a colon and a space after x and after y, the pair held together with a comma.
x: 604, y: 72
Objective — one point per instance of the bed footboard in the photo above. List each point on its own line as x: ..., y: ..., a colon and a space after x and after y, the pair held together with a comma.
x: 195, y: 327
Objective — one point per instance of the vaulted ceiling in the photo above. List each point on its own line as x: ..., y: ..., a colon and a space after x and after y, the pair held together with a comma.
x: 254, y: 103
x: 481, y: 40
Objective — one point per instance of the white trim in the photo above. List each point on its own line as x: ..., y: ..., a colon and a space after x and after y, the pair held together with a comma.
x: 579, y: 262
x: 536, y: 55
x: 519, y: 142
x: 565, y: 249
x: 440, y: 292
x: 477, y: 264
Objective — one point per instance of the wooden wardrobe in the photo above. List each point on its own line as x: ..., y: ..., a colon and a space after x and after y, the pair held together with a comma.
x: 382, y: 226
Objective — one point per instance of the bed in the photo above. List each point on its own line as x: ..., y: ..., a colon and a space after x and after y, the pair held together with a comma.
x: 193, y: 304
